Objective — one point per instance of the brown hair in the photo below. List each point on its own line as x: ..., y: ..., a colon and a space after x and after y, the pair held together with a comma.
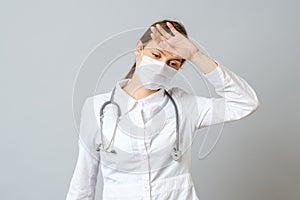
x: 146, y: 37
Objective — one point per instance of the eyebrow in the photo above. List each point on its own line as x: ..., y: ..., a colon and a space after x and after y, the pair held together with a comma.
x: 176, y: 58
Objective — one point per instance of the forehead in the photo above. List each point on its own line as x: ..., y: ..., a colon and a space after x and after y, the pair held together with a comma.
x: 153, y: 46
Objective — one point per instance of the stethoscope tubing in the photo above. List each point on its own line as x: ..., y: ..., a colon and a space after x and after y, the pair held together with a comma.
x: 176, y: 152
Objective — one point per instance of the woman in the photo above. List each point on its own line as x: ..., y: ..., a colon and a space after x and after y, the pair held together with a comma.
x: 140, y: 152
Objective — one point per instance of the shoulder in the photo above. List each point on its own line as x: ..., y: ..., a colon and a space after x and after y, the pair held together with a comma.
x: 98, y: 98
x: 94, y: 102
x: 188, y: 99
x: 178, y: 92
x: 181, y: 94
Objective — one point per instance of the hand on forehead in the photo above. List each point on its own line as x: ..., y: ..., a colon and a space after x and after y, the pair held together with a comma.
x: 151, y: 45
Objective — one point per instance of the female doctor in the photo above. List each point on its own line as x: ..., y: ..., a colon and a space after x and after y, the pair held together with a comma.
x: 141, y: 132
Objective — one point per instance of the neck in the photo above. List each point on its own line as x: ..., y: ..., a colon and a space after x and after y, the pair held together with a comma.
x: 136, y: 90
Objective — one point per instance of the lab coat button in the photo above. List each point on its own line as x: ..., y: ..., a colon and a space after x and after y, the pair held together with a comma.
x: 147, y: 187
x: 145, y: 156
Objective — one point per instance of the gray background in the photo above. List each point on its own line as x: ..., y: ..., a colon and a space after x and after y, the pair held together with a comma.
x: 43, y: 44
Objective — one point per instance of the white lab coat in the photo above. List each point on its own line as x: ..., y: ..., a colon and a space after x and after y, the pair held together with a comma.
x: 143, y: 167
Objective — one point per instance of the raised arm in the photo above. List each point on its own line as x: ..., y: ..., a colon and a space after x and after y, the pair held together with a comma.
x: 237, y: 98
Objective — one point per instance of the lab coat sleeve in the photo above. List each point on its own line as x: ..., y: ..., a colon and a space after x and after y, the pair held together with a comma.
x: 237, y: 99
x: 84, y: 179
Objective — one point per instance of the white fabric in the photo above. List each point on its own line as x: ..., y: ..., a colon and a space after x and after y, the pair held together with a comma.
x: 143, y: 167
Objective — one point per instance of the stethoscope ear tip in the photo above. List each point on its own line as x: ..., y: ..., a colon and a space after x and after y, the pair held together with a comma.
x: 176, y: 155
x: 113, y: 151
x: 98, y: 147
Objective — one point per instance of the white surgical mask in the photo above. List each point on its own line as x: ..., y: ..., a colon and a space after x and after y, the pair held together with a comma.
x: 154, y: 74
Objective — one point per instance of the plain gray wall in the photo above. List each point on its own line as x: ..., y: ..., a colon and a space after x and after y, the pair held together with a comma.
x: 42, y: 47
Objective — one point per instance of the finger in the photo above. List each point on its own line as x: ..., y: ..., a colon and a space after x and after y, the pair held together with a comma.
x: 156, y: 33
x: 172, y: 28
x: 156, y: 39
x: 163, y: 32
x: 161, y: 43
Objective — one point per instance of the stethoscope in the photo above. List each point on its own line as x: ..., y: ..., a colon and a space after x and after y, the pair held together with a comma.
x: 175, y: 153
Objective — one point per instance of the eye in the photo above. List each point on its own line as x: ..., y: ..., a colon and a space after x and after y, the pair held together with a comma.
x: 174, y: 64
x: 156, y: 55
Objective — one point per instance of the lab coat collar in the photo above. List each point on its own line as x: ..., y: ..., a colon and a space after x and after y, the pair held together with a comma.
x: 127, y: 102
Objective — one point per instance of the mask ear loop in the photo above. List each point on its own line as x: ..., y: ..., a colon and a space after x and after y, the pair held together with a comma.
x: 142, y: 49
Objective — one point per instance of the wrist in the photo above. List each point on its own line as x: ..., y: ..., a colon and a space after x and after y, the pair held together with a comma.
x: 196, y: 56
